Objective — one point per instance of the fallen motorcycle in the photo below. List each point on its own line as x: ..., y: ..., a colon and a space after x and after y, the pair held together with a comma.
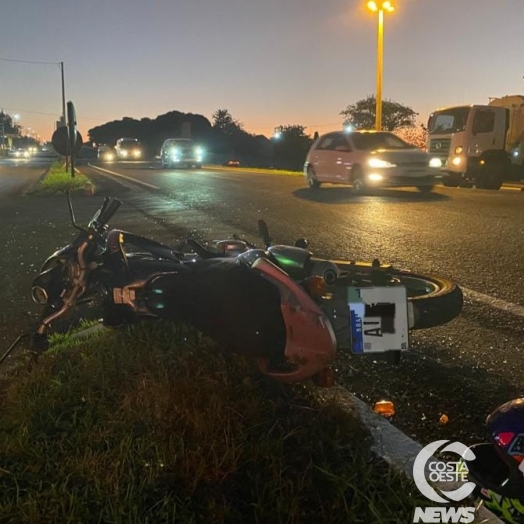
x: 498, y: 467
x: 277, y: 304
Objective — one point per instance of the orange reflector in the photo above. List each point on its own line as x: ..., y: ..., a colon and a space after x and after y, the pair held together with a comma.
x: 386, y: 408
x: 443, y: 420
x: 315, y: 286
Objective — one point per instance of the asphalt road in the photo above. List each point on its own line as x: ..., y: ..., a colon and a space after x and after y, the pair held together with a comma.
x: 17, y: 174
x: 463, y: 369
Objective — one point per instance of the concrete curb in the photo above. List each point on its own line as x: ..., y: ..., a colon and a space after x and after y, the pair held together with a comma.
x: 389, y: 442
x: 28, y: 189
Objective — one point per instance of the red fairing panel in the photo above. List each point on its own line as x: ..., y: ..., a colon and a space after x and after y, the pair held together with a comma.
x: 310, y: 342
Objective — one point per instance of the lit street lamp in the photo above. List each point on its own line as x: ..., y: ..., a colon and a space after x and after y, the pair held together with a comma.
x: 380, y: 7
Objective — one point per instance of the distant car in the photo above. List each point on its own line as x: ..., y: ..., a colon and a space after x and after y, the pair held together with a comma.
x: 20, y: 153
x: 233, y: 163
x: 105, y: 154
x: 181, y: 152
x: 128, y: 149
x: 370, y: 159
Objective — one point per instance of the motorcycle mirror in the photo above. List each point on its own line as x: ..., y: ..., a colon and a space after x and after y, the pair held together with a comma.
x: 302, y: 242
x: 72, y: 212
x: 263, y: 231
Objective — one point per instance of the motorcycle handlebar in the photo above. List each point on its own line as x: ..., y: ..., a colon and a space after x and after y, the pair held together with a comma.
x: 108, y: 212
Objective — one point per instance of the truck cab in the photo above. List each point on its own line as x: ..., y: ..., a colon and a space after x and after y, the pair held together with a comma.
x: 471, y: 142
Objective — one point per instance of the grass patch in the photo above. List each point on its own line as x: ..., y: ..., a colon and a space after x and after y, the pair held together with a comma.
x: 154, y: 424
x: 58, y: 181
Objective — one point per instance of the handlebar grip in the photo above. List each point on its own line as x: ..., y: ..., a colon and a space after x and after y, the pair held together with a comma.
x: 106, y: 216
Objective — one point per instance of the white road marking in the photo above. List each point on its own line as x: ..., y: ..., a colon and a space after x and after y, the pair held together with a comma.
x: 222, y: 176
x: 134, y: 180
x: 151, y: 185
x: 497, y: 303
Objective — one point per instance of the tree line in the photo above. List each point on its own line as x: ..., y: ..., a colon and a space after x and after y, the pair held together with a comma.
x: 225, y: 138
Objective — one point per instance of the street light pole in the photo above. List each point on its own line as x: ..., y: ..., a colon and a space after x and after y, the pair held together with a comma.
x: 63, y: 95
x: 380, y: 68
x: 64, y: 121
x: 380, y: 8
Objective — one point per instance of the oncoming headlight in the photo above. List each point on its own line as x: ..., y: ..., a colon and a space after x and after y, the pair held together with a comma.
x: 435, y: 162
x: 378, y: 163
x: 199, y: 151
x: 458, y: 150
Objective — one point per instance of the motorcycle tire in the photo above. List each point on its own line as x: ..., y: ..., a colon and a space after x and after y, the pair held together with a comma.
x: 435, y: 300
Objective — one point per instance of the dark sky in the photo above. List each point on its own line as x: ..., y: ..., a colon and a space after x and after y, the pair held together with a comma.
x: 269, y: 62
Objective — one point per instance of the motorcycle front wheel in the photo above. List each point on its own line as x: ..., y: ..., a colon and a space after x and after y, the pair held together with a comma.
x: 435, y: 300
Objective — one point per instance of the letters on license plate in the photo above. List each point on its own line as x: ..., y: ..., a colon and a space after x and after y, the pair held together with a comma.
x: 378, y: 318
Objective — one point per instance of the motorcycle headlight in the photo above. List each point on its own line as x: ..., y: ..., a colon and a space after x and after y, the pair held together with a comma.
x: 378, y: 163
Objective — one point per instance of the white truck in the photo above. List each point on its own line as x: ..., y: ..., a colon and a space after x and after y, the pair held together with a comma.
x: 481, y: 145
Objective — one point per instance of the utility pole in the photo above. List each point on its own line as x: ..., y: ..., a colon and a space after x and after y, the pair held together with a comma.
x: 2, y: 129
x: 63, y: 95
x: 64, y: 121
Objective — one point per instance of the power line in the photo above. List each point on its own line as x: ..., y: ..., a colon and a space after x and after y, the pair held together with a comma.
x: 30, y: 112
x: 12, y: 110
x: 28, y: 61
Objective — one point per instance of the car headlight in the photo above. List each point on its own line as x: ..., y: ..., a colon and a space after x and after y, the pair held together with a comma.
x: 457, y: 161
x: 375, y: 177
x: 458, y: 150
x: 378, y: 163
x: 435, y: 162
x: 199, y: 151
x: 174, y: 152
x: 109, y: 156
x: 136, y: 152
x: 124, y: 153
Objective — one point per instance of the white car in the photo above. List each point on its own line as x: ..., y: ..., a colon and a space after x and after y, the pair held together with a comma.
x: 128, y: 149
x: 181, y: 152
x: 105, y: 153
x: 370, y: 159
x: 20, y: 153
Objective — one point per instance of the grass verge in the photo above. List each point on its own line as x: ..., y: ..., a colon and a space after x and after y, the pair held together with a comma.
x: 58, y: 181
x: 155, y: 424
x: 264, y: 171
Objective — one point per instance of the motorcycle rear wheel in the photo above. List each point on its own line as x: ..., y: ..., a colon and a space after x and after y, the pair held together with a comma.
x: 435, y: 300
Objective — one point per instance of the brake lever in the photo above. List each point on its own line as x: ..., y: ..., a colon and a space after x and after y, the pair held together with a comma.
x: 248, y: 244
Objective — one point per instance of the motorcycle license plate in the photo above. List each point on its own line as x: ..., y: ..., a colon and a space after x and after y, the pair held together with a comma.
x: 378, y: 318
